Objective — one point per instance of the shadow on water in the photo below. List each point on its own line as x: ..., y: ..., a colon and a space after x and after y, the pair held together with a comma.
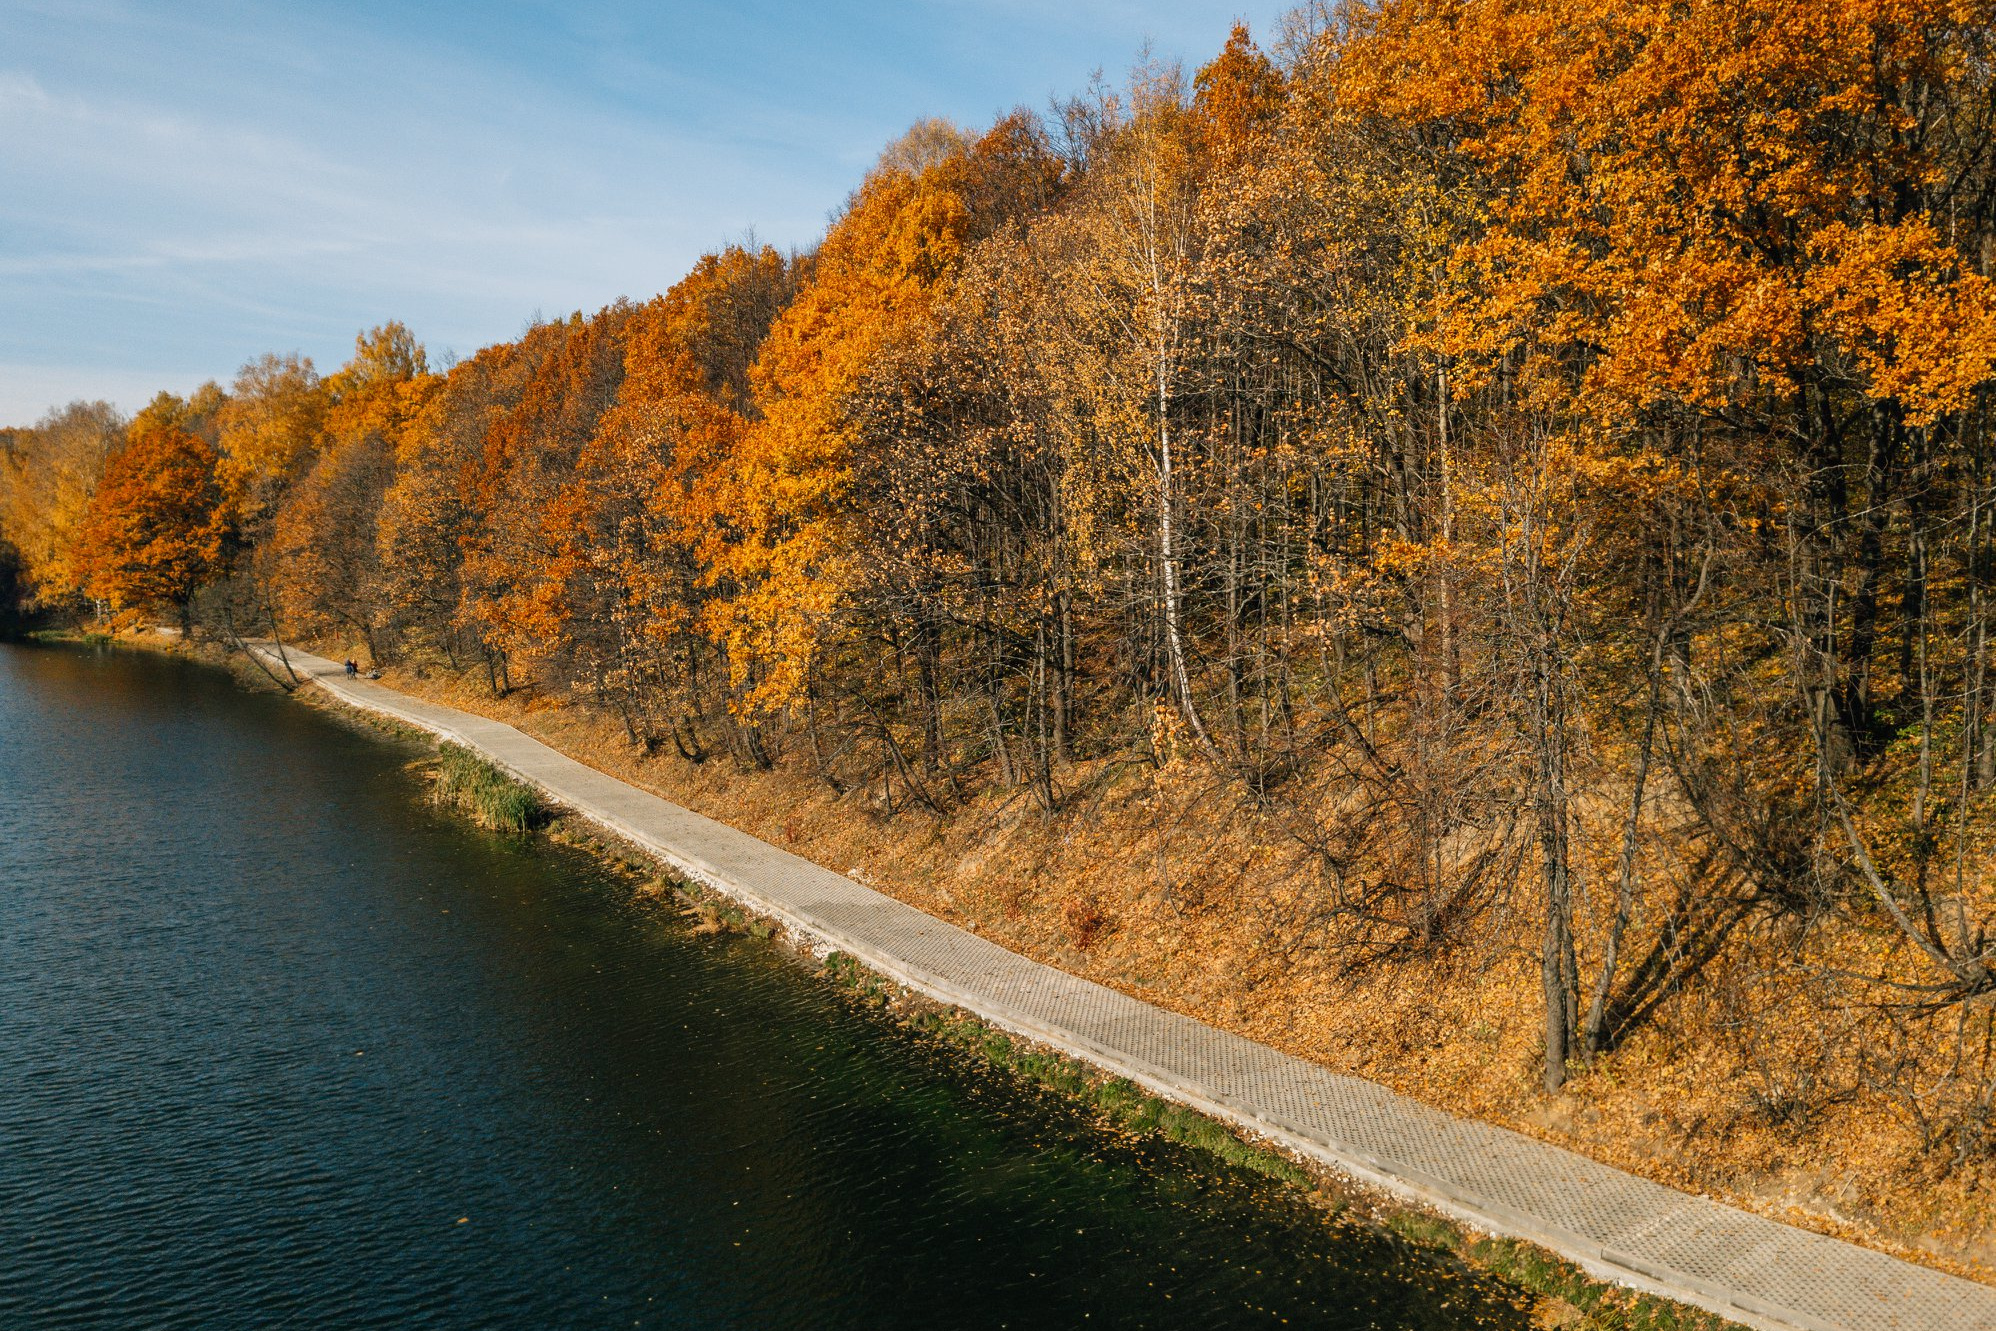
x: 280, y: 1044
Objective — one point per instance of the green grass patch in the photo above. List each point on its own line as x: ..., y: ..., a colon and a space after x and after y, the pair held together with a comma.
x: 1594, y: 1305
x: 87, y: 637
x: 492, y: 799
x: 1603, y: 1306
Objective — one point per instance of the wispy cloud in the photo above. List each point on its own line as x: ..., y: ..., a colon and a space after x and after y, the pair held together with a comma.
x: 190, y: 184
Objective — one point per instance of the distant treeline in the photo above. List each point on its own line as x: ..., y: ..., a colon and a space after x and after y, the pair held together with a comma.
x: 1540, y: 448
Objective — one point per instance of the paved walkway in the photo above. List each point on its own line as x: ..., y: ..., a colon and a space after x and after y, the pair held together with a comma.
x: 1616, y: 1225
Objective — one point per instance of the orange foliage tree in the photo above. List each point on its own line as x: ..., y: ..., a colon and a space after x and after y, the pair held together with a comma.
x: 326, y: 536
x: 629, y: 526
x: 155, y: 527
x: 778, y: 537
x: 1721, y: 236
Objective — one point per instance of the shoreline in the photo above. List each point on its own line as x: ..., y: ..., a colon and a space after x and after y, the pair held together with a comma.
x: 1137, y: 885
x: 1960, y: 1302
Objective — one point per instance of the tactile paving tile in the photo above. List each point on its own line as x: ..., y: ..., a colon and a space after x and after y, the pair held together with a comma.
x: 1747, y: 1267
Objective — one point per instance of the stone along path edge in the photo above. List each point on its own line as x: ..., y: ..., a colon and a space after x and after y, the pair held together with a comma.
x: 1615, y: 1225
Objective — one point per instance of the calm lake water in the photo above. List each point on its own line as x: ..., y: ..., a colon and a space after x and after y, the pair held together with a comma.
x: 282, y: 1045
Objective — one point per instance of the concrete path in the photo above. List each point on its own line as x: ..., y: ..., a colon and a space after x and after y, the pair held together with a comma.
x: 1617, y: 1226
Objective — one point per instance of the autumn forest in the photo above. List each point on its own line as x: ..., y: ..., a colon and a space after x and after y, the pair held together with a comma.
x: 1457, y: 541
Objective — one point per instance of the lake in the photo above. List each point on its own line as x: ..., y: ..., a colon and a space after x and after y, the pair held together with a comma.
x: 282, y: 1044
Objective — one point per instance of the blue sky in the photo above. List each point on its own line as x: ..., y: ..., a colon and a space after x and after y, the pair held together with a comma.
x: 186, y: 185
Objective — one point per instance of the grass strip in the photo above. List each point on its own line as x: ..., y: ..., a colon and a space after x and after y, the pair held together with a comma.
x: 493, y: 799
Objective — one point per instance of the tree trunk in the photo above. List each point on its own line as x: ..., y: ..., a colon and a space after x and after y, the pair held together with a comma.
x: 1594, y: 1035
x: 1167, y: 546
x: 1557, y: 966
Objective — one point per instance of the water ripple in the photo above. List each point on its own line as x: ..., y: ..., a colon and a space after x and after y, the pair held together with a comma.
x: 281, y: 1046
